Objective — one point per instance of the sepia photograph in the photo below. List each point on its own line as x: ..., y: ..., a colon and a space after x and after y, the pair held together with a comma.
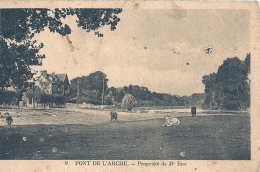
x: 126, y: 85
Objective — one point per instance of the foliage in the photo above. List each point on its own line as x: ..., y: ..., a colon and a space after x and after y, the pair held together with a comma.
x: 96, y: 79
x: 118, y: 94
x: 40, y: 96
x: 35, y: 92
x: 9, y: 97
x: 19, y: 50
x: 22, y: 24
x: 228, y: 88
x: 15, y: 63
x: 89, y: 88
x: 210, y: 85
x: 47, y: 98
x: 145, y: 97
x: 90, y: 91
x: 128, y: 102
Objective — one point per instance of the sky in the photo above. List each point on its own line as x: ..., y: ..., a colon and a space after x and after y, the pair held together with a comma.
x: 163, y: 50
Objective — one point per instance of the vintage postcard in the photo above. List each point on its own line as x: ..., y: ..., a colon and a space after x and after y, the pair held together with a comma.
x: 129, y: 86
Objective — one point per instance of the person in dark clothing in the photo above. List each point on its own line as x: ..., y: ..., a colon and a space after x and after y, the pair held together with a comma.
x: 193, y: 111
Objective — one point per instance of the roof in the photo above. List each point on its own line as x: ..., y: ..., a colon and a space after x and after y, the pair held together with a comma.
x: 61, y: 77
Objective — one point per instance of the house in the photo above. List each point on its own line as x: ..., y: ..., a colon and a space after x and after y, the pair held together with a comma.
x: 109, y: 98
x: 60, y: 84
x: 50, y: 85
x: 53, y: 84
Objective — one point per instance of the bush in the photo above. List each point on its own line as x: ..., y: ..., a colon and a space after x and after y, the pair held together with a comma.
x: 128, y: 102
x: 57, y: 99
x: 9, y: 97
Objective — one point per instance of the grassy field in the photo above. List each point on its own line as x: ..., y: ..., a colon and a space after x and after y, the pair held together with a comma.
x: 78, y: 134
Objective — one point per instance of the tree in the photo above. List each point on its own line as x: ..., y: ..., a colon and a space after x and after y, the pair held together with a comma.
x: 144, y: 97
x: 91, y: 87
x: 9, y: 97
x: 210, y: 85
x: 18, y: 49
x: 98, y: 81
x: 232, y: 75
x: 128, y: 102
x: 119, y: 95
x: 247, y: 63
x: 229, y: 88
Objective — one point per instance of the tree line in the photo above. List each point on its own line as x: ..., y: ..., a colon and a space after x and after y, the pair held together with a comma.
x: 94, y: 87
x: 228, y: 89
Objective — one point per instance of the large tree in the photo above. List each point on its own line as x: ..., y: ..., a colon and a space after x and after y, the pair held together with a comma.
x: 89, y: 88
x: 229, y: 88
x: 19, y: 50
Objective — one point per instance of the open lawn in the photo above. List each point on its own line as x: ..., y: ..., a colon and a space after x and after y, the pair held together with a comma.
x: 63, y: 134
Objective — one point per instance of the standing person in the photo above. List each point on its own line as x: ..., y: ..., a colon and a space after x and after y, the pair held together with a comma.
x: 193, y: 111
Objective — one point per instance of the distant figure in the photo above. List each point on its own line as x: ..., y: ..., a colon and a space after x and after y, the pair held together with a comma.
x: 170, y: 121
x: 193, y: 111
x: 113, y: 115
x: 9, y: 120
